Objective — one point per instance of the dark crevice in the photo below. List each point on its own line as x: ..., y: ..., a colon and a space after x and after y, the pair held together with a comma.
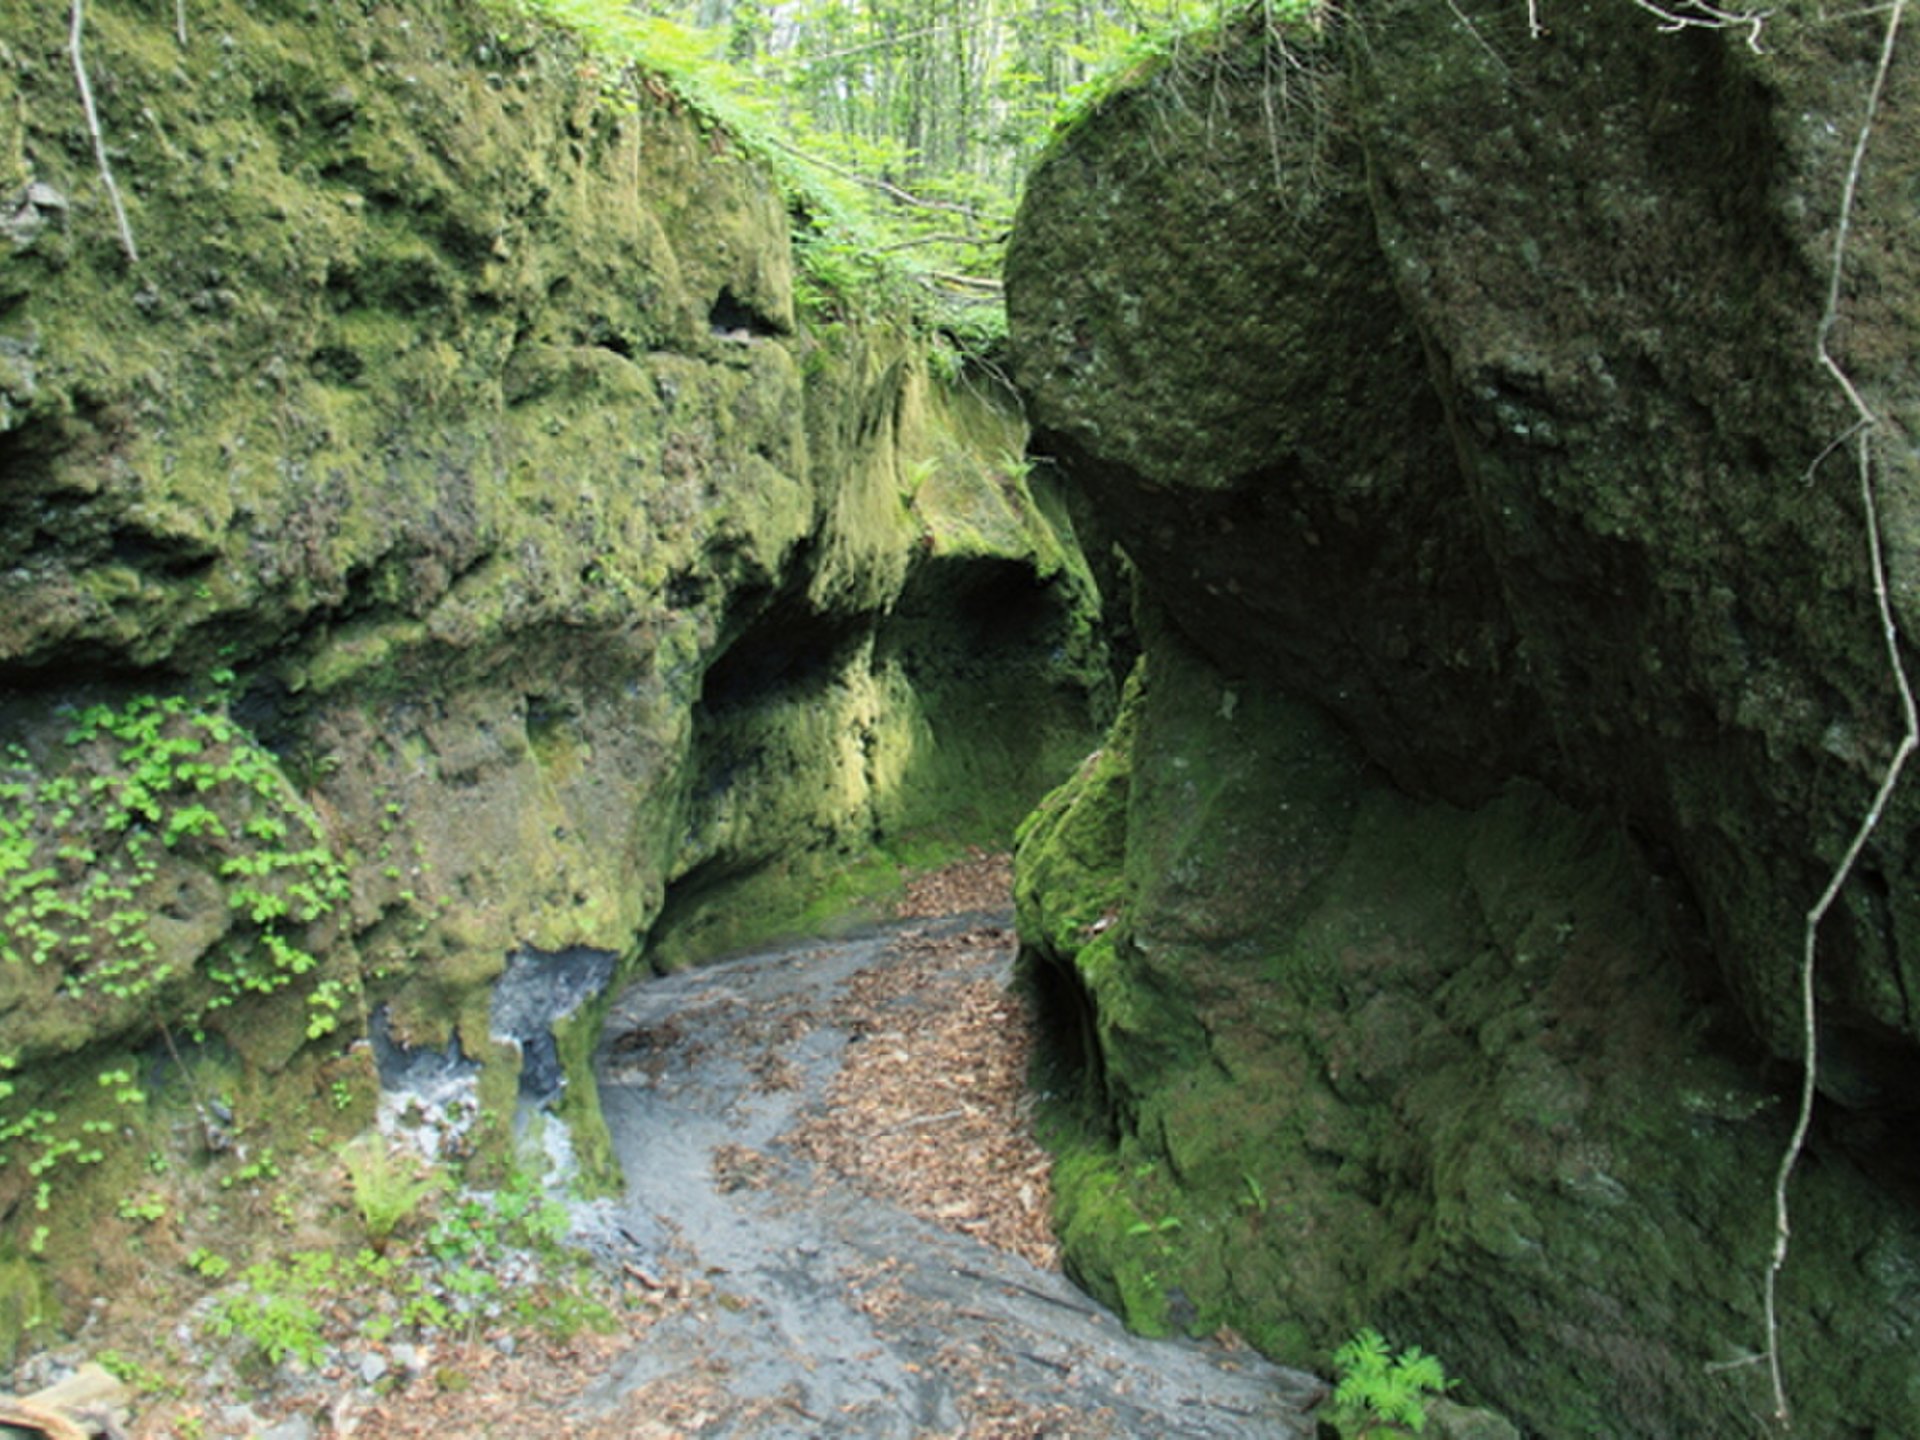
x: 787, y: 647
x: 686, y: 589
x: 737, y: 320
x: 162, y: 555
x: 687, y: 897
x: 987, y: 620
x: 1068, y: 1065
x: 271, y: 713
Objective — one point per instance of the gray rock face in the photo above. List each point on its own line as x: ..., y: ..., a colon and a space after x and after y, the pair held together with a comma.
x: 1455, y: 393
x: 1477, y: 399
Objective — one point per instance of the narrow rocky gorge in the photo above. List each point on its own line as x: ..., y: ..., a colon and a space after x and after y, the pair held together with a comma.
x: 448, y: 547
x: 1411, y: 593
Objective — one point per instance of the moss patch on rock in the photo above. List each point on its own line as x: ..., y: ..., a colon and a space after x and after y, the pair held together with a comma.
x: 1328, y: 1056
x: 1451, y: 390
x: 458, y: 406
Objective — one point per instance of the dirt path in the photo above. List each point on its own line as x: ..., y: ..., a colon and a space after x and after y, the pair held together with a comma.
x: 830, y: 1141
x: 836, y: 1225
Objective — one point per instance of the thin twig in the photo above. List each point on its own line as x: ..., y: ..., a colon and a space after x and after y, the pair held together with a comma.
x: 1533, y: 22
x: 1680, y: 15
x: 1832, y: 445
x: 1909, y: 741
x: 942, y: 239
x: 885, y: 187
x: 1700, y: 15
x: 93, y: 128
x: 207, y: 1127
x: 180, y: 22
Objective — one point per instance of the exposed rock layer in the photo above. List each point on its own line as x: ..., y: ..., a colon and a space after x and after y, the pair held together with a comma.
x: 459, y: 406
x: 1454, y: 392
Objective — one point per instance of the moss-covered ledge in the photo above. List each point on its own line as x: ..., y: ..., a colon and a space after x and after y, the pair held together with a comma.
x: 564, y: 581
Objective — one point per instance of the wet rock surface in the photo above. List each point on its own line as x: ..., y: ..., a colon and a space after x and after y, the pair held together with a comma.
x: 833, y: 1310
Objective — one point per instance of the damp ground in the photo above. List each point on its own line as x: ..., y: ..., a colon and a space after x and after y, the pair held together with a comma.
x: 835, y: 1224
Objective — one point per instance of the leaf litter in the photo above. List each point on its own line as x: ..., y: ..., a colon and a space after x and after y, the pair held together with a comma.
x: 920, y: 1107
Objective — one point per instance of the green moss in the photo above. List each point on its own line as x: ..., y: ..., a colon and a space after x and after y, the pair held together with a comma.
x: 414, y: 415
x: 27, y: 1311
x: 803, y: 895
x: 577, y: 1036
x: 1436, y: 1075
x: 1070, y: 872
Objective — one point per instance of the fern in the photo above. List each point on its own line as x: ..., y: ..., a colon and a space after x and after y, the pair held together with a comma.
x: 1379, y: 1394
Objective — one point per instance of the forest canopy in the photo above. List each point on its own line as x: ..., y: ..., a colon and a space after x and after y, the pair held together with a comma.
x: 903, y: 127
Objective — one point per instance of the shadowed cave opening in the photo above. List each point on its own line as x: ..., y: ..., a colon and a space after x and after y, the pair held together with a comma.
x: 1068, y: 1067
x: 735, y: 318
x: 787, y: 646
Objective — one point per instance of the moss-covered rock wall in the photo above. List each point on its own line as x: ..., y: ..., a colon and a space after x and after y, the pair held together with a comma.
x: 446, y: 539
x: 1427, y: 940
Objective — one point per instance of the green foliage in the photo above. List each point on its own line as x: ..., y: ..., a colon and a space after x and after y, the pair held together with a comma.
x: 1127, y: 56
x: 275, y: 1308
x: 292, y: 1307
x: 1379, y: 1394
x: 82, y: 833
x: 481, y: 1227
x: 561, y: 1312
x: 147, y: 1209
x: 142, y: 1378
x: 252, y: 1172
x: 1136, y: 54
x: 101, y: 830
x: 900, y: 129
x: 205, y: 1262
x: 1255, y: 1197
x: 387, y: 1189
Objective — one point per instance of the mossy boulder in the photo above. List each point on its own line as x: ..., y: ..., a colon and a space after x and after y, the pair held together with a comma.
x: 1514, y: 682
x: 1325, y: 1055
x: 1523, y: 388
x: 456, y: 444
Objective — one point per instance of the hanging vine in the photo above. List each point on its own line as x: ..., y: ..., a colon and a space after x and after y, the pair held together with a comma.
x: 1861, y: 435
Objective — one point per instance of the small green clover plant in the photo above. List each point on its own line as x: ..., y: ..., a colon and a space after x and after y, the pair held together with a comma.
x: 1381, y: 1396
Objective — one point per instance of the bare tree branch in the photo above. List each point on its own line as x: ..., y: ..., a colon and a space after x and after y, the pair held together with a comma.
x: 942, y: 239
x: 885, y: 187
x: 965, y: 282
x: 1862, y: 432
x: 74, y: 32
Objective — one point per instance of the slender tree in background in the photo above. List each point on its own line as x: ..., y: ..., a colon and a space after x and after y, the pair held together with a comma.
x: 910, y: 123
x: 949, y: 99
